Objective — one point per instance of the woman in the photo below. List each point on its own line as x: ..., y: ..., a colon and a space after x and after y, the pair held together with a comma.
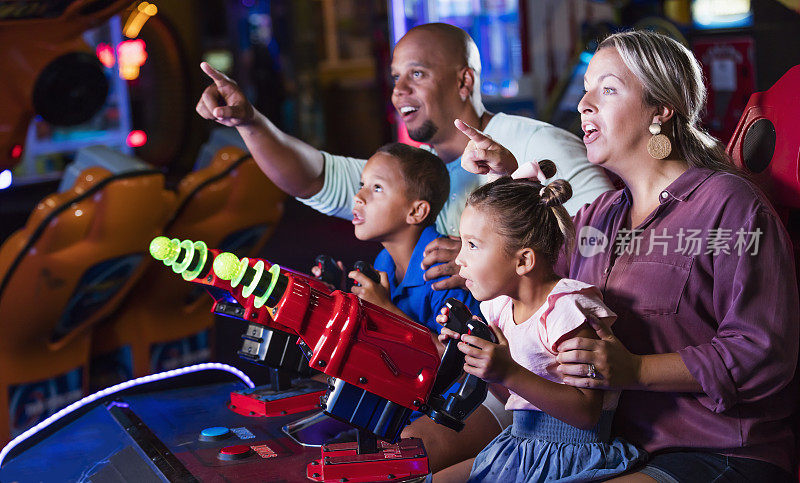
x: 694, y: 261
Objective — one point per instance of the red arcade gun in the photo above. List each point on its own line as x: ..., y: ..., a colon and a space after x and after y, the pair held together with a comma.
x: 380, y: 366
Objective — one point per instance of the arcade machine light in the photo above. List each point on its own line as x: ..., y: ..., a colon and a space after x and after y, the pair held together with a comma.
x: 722, y: 40
x: 58, y: 95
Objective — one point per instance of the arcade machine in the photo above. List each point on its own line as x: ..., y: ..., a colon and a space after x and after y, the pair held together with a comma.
x: 380, y: 367
x: 766, y: 146
x: 722, y: 40
x: 53, y: 77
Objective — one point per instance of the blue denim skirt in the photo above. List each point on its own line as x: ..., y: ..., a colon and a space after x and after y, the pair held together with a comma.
x: 539, y: 447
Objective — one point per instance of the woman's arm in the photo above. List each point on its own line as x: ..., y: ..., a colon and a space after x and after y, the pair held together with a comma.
x: 754, y: 351
x: 617, y: 368
x: 491, y: 362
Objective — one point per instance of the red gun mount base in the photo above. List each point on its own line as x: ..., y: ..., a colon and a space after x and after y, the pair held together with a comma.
x: 265, y: 402
x: 280, y: 353
x: 391, y: 462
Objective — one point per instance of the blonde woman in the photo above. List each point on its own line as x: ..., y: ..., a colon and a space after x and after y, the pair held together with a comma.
x: 698, y: 267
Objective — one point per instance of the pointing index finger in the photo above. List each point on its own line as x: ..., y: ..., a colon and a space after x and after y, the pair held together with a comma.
x: 218, y: 77
x: 481, y: 140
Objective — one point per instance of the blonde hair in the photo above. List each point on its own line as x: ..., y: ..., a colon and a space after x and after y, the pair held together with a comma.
x: 672, y: 76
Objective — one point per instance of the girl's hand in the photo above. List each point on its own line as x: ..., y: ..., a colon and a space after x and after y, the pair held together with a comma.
x: 489, y: 361
x: 614, y: 366
x: 483, y: 155
x: 441, y: 319
x: 372, y: 292
x: 530, y: 170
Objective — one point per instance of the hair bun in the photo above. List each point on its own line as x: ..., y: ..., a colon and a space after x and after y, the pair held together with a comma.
x: 548, y: 168
x: 556, y: 193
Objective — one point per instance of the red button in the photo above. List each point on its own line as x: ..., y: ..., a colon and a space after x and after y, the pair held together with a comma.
x: 235, y: 452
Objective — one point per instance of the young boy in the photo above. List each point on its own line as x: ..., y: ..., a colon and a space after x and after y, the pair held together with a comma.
x: 402, y: 190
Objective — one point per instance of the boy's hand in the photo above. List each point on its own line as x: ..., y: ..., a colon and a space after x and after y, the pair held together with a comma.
x: 491, y: 362
x: 317, y: 272
x: 444, y: 251
x: 447, y: 334
x: 372, y: 292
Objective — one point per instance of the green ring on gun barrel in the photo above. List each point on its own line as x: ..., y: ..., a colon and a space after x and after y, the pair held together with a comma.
x: 227, y: 266
x: 171, y: 259
x: 275, y: 270
x: 181, y: 266
x: 248, y: 289
x: 192, y: 273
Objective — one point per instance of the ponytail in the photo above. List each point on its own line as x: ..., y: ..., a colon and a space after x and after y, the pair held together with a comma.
x: 528, y: 214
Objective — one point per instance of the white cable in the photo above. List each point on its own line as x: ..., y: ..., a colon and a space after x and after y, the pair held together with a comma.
x: 119, y: 387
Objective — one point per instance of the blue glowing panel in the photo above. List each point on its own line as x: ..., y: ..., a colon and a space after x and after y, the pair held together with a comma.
x: 495, y: 27
x: 717, y: 14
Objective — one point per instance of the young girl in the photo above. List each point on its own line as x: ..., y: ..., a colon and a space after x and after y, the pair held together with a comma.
x: 511, y: 234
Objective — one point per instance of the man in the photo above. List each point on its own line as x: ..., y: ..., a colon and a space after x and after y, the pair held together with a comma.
x: 436, y: 71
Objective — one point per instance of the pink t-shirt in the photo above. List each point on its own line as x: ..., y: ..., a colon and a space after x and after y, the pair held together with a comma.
x: 533, y: 341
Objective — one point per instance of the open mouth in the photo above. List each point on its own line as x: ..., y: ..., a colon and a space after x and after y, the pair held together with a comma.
x: 407, y: 111
x: 590, y: 132
x: 358, y: 218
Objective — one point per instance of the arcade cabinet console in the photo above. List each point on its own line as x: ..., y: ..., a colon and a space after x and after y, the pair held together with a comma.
x: 381, y: 366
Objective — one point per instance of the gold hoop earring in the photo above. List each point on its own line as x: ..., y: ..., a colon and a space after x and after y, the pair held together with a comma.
x: 659, y: 145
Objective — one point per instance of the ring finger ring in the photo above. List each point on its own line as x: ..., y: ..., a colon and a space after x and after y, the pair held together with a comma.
x: 592, y: 372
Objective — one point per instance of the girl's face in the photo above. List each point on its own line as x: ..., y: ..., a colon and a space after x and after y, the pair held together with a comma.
x: 614, y: 118
x: 485, y: 264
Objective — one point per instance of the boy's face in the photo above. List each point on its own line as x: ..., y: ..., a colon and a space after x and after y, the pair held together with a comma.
x: 381, y: 206
x: 486, y: 266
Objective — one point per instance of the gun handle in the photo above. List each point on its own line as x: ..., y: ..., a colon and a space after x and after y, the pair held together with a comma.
x: 330, y: 271
x: 473, y: 390
x: 457, y: 407
x: 458, y: 318
x: 367, y: 270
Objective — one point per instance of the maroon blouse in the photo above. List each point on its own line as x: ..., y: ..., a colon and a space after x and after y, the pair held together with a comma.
x: 709, y: 275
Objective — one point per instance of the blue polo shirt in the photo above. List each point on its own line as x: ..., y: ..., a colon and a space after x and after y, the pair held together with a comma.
x: 415, y: 296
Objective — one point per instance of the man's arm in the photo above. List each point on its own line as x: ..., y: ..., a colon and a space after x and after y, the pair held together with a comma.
x: 294, y: 166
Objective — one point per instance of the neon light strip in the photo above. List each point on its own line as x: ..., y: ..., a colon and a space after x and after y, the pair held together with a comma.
x: 121, y: 387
